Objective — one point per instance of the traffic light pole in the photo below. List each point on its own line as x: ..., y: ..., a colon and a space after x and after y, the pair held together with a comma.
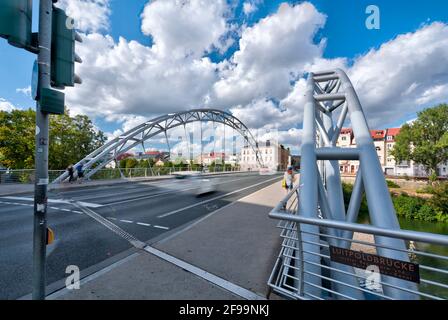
x: 41, y: 155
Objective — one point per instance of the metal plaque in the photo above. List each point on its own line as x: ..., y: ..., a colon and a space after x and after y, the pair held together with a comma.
x: 390, y: 267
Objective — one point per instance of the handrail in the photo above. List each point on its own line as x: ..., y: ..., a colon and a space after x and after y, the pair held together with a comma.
x: 393, y: 233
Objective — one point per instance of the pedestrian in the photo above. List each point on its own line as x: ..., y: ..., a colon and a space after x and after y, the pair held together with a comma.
x: 70, y: 173
x: 288, y: 181
x: 289, y: 178
x: 80, y: 172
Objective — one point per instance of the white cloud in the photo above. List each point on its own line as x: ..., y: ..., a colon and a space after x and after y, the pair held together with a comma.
x: 404, y: 74
x: 184, y: 27
x: 128, y: 78
x: 26, y: 91
x: 262, y: 83
x: 272, y: 53
x: 6, y: 105
x: 89, y: 15
x: 250, y: 7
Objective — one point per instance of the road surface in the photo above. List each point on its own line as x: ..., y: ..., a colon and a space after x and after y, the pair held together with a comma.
x: 145, y: 210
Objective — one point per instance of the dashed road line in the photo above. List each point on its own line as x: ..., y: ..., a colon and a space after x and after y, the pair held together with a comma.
x: 139, y: 223
x: 143, y: 224
x: 160, y: 227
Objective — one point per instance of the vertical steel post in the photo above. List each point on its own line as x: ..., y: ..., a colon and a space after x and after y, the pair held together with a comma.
x: 381, y: 210
x: 308, y: 194
x: 41, y: 156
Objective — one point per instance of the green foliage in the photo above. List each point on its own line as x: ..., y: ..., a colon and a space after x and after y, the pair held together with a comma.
x: 407, y: 206
x: 439, y: 199
x: 168, y: 164
x: 71, y: 139
x: 425, y: 141
x: 131, y: 163
x: 392, y: 184
x: 434, y: 209
x: 347, y: 190
x: 17, y: 132
x: 122, y: 163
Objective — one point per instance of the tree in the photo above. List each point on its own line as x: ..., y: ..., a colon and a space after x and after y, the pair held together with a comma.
x: 131, y: 163
x: 71, y: 139
x: 425, y: 141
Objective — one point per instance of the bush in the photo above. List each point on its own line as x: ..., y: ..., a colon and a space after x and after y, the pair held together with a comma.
x: 406, y: 206
x: 392, y: 184
x: 435, y: 209
x: 426, y: 213
x: 439, y: 199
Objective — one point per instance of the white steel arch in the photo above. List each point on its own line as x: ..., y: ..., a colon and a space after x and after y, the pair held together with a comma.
x: 160, y: 125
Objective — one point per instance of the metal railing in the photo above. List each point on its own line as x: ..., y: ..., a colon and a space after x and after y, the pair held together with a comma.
x: 27, y: 176
x: 294, y: 274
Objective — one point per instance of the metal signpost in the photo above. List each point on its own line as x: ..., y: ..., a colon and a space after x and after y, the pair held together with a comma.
x: 55, y: 46
x: 41, y: 156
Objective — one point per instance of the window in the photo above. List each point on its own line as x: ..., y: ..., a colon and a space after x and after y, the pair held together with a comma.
x: 344, y: 138
x: 378, y: 148
x: 390, y: 138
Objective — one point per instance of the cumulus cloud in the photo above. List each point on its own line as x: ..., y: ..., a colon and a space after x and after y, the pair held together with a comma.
x: 185, y: 27
x: 89, y: 15
x: 262, y: 83
x: 6, y: 105
x: 128, y: 78
x: 404, y: 74
x: 272, y: 53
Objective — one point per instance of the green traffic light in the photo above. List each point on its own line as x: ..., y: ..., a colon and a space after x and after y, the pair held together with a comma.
x: 16, y: 22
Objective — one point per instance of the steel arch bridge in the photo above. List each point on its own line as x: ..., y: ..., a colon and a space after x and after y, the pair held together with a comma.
x: 137, y: 136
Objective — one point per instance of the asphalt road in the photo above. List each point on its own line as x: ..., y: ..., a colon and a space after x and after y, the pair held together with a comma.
x: 145, y: 210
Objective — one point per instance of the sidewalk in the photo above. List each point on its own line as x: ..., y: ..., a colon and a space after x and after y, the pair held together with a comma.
x: 228, y: 254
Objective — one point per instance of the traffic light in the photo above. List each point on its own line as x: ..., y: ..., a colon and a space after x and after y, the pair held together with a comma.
x: 63, y: 56
x: 16, y: 22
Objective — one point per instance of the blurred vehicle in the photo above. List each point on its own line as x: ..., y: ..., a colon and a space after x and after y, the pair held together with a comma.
x: 267, y: 171
x: 198, y: 183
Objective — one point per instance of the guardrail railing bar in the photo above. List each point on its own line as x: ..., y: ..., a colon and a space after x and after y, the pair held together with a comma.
x: 380, y: 282
x: 398, y: 234
x: 417, y: 252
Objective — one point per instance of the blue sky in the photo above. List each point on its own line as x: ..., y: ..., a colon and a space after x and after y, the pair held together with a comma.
x: 343, y: 30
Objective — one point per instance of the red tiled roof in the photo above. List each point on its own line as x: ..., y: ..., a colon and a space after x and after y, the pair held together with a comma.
x: 378, y: 134
x: 346, y: 130
x: 155, y: 153
x: 393, y: 131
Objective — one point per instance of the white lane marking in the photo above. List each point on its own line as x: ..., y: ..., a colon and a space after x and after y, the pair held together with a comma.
x: 139, y: 223
x: 165, y: 193
x: 213, y: 199
x: 160, y: 227
x: 223, y: 283
x: 30, y: 205
x: 85, y: 204
x: 144, y: 224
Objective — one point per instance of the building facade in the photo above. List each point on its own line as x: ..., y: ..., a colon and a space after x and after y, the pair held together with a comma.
x: 275, y: 157
x: 384, y: 141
